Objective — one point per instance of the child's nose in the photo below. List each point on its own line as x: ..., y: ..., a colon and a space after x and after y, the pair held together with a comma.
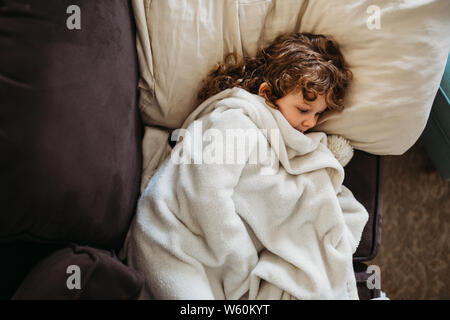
x: 309, y: 122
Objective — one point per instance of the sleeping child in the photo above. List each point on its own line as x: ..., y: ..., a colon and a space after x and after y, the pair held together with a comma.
x: 214, y: 223
x: 301, y: 75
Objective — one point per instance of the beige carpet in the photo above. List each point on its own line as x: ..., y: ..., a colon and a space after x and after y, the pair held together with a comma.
x: 414, y: 253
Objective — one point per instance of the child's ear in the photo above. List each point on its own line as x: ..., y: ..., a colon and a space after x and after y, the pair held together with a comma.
x: 264, y: 90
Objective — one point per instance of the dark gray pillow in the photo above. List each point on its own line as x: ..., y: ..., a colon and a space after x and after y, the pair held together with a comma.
x: 84, y: 273
x: 70, y: 131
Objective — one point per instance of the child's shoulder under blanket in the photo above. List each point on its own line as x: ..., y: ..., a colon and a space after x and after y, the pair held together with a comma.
x: 246, y: 207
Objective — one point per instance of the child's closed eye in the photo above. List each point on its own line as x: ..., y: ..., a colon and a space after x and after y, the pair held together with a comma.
x: 306, y: 111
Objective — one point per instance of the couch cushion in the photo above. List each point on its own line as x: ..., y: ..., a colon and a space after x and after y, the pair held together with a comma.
x: 79, y: 272
x: 363, y: 176
x: 69, y: 125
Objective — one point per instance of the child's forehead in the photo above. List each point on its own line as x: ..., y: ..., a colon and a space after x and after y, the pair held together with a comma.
x: 319, y: 104
x: 298, y: 94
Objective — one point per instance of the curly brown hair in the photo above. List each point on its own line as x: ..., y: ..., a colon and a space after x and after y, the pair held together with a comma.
x: 299, y: 61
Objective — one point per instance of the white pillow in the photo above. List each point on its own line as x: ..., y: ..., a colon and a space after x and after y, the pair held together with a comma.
x: 397, y: 67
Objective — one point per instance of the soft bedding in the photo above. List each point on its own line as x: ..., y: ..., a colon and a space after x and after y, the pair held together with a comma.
x: 276, y: 224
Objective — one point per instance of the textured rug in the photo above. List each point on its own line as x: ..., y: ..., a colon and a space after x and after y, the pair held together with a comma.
x: 414, y: 252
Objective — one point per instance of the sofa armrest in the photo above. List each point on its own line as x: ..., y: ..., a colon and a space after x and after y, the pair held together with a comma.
x: 363, y: 176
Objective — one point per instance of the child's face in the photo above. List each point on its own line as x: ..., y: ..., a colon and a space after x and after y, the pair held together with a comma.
x: 299, y: 112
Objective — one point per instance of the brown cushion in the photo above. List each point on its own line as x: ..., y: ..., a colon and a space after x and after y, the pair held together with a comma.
x: 18, y: 259
x: 69, y: 124
x: 363, y: 176
x: 101, y: 276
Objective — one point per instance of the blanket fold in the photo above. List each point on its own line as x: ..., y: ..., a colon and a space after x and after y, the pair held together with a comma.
x: 246, y: 207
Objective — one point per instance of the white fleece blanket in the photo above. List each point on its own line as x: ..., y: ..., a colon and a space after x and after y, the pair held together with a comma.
x: 271, y: 225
